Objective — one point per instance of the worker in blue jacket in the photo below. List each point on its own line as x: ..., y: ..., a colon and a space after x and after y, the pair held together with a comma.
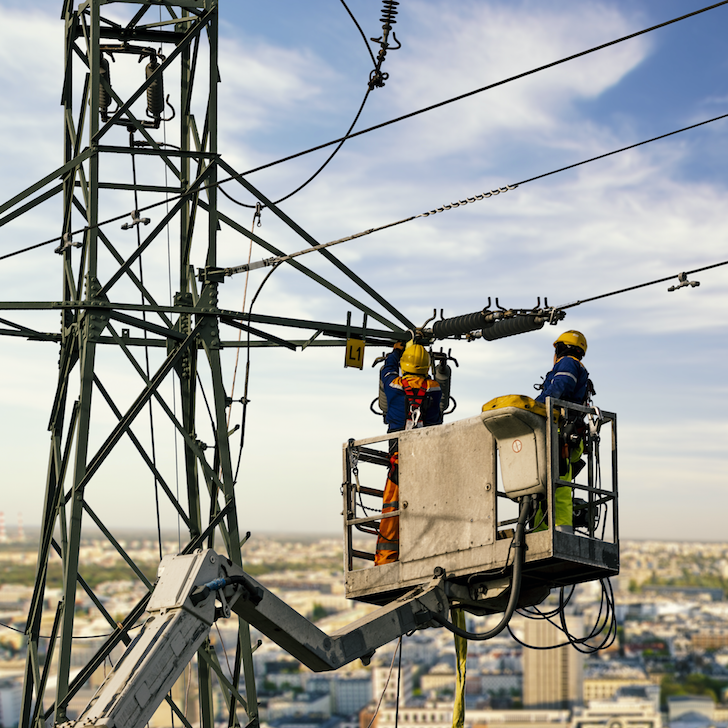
x: 568, y: 380
x: 413, y: 401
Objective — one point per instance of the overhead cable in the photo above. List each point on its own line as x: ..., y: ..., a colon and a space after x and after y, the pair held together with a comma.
x: 361, y: 32
x: 283, y: 258
x: 488, y: 87
x: 679, y: 276
x: 623, y: 149
x: 343, y: 139
x: 74, y: 637
x: 460, y: 203
x: 415, y: 113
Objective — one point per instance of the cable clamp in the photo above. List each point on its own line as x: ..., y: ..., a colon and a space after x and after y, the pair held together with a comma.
x: 67, y: 242
x: 683, y: 278
x: 135, y: 220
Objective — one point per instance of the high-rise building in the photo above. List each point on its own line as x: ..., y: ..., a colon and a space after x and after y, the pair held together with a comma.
x: 552, y: 679
x: 383, y: 675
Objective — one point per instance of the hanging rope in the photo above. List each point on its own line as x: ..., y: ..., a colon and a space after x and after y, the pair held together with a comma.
x: 137, y: 223
x: 256, y: 217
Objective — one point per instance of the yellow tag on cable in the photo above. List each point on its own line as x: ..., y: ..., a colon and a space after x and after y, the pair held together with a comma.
x: 354, y: 355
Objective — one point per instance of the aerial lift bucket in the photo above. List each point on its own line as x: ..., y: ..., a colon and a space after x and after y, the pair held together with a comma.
x: 455, y: 481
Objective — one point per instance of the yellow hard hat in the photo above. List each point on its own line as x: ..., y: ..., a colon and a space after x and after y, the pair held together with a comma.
x: 572, y: 338
x: 415, y: 360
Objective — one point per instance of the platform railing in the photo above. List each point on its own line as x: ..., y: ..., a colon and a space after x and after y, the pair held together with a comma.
x: 599, y: 499
x: 593, y: 497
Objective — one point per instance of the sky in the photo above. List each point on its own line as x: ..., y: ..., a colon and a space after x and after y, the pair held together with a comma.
x: 293, y: 75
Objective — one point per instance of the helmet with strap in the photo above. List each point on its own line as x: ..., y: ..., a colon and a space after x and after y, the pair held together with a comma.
x: 415, y: 360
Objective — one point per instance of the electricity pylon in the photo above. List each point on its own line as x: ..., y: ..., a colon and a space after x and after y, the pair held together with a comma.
x: 117, y: 118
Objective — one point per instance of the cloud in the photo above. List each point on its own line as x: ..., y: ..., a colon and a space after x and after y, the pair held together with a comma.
x: 614, y: 223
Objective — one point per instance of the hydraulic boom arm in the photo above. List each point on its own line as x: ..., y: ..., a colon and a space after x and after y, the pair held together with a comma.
x: 193, y: 591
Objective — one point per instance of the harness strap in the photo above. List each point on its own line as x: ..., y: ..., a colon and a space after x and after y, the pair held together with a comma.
x: 414, y: 405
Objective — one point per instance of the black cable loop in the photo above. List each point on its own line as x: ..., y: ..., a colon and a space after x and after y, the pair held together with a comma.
x: 606, y: 606
x: 315, y: 174
x: 333, y: 154
x: 361, y: 32
x: 518, y: 542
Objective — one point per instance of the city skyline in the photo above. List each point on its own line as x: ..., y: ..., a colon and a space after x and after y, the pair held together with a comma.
x: 634, y: 217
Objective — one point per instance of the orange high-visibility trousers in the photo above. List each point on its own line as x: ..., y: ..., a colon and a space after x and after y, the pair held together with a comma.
x: 388, y: 539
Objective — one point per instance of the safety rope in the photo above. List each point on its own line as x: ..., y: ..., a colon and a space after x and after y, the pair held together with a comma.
x: 147, y: 367
x: 256, y: 216
x: 386, y: 684
x: 247, y: 376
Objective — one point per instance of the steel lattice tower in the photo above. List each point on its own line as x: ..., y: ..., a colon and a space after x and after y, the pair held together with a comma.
x: 109, y: 305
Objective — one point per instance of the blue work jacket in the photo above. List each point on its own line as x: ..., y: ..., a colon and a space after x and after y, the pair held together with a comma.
x: 568, y: 380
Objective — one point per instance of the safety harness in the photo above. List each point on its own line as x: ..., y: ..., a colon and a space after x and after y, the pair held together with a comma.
x: 413, y: 413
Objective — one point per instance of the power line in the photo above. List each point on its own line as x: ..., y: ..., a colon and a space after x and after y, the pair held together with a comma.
x: 488, y: 87
x: 415, y: 113
x: 642, y: 285
x: 452, y: 205
x: 623, y: 149
x: 361, y: 32
x: 75, y: 637
x: 469, y: 200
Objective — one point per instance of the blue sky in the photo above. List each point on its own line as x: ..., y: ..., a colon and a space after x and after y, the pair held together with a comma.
x: 293, y: 75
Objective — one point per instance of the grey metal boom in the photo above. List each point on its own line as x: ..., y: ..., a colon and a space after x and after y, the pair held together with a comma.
x: 195, y: 590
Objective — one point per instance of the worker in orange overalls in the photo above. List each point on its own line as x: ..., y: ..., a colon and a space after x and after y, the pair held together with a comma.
x: 413, y: 400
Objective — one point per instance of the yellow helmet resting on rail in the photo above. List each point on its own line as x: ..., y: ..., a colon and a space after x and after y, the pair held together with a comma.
x: 572, y: 338
x: 415, y: 360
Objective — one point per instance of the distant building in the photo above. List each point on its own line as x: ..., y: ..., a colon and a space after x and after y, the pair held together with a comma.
x: 439, y: 715
x: 306, y: 722
x: 552, y: 679
x: 689, y: 706
x: 306, y: 706
x: 442, y: 678
x: 381, y: 674
x: 709, y: 639
x: 602, y: 681
x: 704, y: 593
x: 349, y: 692
x: 624, y: 711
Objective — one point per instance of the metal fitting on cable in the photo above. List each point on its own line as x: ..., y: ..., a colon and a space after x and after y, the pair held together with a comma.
x: 66, y: 244
x: 683, y: 278
x: 135, y: 220
x: 104, y: 95
x: 389, y: 10
x: 155, y: 92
